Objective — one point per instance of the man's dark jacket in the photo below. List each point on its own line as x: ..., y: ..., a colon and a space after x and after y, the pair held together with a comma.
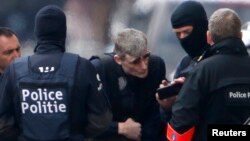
x: 206, y: 97
x: 132, y: 97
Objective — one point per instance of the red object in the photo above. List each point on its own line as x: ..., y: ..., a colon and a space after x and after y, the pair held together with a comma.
x: 172, y: 135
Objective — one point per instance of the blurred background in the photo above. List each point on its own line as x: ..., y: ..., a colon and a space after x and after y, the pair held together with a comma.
x: 93, y: 23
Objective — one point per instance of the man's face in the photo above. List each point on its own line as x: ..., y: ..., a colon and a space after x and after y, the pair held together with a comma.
x: 9, y: 50
x: 136, y: 66
x: 183, y: 31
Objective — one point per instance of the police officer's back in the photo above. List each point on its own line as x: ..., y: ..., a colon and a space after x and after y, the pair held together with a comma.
x: 216, y: 92
x: 52, y: 95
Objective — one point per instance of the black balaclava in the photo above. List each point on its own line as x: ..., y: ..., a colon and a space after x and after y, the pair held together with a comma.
x: 192, y: 13
x: 50, y: 27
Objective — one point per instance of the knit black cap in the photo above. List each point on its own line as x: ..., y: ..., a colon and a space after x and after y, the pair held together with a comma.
x: 189, y: 13
x: 192, y: 13
x: 50, y: 26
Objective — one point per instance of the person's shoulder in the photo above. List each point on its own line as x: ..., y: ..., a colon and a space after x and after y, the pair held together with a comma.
x: 156, y: 63
x: 83, y: 62
x: 155, y: 58
x: 83, y: 59
x: 103, y: 60
x: 186, y: 60
x: 208, y: 64
x: 106, y: 57
x: 210, y: 61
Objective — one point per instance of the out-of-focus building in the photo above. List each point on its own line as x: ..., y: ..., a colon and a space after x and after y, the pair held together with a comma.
x: 93, y: 23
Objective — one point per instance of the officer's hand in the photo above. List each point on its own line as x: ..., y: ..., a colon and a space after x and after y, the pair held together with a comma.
x: 179, y: 80
x: 130, y: 129
x: 168, y: 102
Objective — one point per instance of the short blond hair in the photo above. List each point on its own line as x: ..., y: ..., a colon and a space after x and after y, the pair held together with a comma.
x: 130, y: 41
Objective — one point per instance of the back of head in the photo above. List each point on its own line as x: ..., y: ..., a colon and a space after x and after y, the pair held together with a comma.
x: 224, y: 23
x: 130, y: 41
x: 192, y: 13
x: 50, y: 25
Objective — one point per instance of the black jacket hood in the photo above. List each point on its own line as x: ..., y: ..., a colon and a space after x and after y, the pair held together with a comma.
x: 50, y: 29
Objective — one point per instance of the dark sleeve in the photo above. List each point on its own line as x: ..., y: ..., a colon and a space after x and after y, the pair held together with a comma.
x: 185, y: 111
x: 8, y: 130
x: 177, y: 71
x: 151, y: 125
x: 182, y: 68
x: 98, y: 112
x: 113, y: 127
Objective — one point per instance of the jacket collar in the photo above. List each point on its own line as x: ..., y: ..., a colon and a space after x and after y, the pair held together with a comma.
x: 49, y: 47
x: 233, y: 46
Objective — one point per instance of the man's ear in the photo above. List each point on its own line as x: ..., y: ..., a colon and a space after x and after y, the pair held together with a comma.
x: 241, y: 34
x: 118, y: 59
x: 209, y: 38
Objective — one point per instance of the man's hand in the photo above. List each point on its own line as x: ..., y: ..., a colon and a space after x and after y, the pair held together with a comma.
x: 168, y: 102
x: 179, y: 80
x: 130, y: 129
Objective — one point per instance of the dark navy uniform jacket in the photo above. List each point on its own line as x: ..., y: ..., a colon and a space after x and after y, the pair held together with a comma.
x: 51, y: 95
x: 87, y: 110
x: 210, y: 93
x: 132, y: 97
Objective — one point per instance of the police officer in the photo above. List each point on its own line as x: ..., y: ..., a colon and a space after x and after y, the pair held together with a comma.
x: 52, y: 95
x: 131, y: 76
x: 190, y: 24
x: 210, y: 93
